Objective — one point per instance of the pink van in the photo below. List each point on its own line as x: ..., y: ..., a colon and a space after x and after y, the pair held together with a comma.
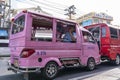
x: 44, y: 43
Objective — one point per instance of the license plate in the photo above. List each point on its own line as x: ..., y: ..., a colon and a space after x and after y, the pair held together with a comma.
x: 16, y: 62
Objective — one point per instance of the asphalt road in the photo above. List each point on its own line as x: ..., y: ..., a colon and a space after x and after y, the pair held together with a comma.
x: 64, y: 74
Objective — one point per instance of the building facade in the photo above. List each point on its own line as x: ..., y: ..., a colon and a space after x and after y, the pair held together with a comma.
x: 4, y: 22
x: 4, y: 19
x: 93, y: 18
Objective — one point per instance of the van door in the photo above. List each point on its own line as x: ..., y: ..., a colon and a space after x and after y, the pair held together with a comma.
x: 67, y: 39
x: 90, y: 47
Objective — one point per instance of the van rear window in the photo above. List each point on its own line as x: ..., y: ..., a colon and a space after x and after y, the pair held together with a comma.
x: 18, y: 24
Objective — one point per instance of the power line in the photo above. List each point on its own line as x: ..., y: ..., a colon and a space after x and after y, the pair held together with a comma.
x: 48, y: 5
x: 52, y: 9
x: 61, y: 5
x: 45, y: 5
x: 42, y: 7
x: 24, y: 2
x: 78, y: 12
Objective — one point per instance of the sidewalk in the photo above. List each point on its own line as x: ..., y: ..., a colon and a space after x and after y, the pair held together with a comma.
x: 4, y: 52
x: 113, y: 74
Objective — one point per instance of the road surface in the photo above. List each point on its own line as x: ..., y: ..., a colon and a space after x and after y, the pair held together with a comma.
x: 104, y: 71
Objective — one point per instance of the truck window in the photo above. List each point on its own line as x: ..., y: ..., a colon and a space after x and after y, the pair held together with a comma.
x: 88, y: 37
x: 119, y: 33
x: 113, y: 33
x: 18, y: 24
x: 42, y: 29
x: 66, y: 32
x: 103, y: 31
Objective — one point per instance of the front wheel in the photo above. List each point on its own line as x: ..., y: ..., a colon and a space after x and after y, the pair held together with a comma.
x: 91, y: 64
x: 50, y: 71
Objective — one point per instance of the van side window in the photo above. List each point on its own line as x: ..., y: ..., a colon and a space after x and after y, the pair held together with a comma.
x: 113, y: 33
x: 42, y: 29
x: 103, y: 31
x: 88, y: 37
x: 66, y: 32
x: 18, y: 24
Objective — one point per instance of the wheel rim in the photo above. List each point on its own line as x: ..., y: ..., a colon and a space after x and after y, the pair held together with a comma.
x: 91, y: 65
x: 51, y: 70
x: 117, y: 59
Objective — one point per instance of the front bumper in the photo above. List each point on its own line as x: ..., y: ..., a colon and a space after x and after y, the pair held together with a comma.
x: 23, y: 69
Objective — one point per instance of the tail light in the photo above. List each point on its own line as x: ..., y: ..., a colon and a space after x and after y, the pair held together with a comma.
x: 24, y: 11
x: 12, y: 19
x: 26, y: 53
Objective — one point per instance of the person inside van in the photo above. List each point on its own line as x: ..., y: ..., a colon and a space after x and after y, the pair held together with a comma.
x: 70, y: 35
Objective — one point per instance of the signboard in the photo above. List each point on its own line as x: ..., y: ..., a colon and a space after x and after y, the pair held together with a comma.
x: 103, y: 15
x: 87, y: 22
x: 3, y: 33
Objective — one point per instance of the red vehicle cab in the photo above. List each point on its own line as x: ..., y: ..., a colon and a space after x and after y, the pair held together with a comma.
x: 108, y: 38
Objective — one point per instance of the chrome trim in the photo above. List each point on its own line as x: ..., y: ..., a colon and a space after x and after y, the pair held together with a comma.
x: 29, y: 67
x: 23, y: 69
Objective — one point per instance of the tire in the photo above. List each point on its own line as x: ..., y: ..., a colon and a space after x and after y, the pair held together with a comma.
x: 50, y: 71
x: 91, y: 64
x: 117, y: 60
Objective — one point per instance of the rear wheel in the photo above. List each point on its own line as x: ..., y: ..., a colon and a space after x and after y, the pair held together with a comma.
x: 91, y: 64
x: 50, y: 71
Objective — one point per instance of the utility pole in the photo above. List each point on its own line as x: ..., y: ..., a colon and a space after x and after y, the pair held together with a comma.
x: 5, y: 9
x: 5, y: 12
x: 71, y: 11
x: 9, y: 10
x: 8, y: 13
x: 2, y: 13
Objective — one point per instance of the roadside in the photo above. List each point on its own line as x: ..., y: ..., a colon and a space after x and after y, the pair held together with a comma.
x: 4, y: 52
x: 110, y: 74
